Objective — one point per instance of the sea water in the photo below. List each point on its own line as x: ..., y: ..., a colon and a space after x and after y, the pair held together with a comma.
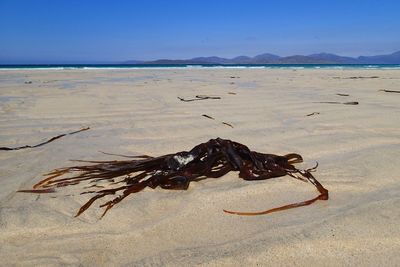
x: 197, y: 66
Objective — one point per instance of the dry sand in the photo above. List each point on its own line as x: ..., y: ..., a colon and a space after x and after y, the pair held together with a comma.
x: 137, y: 112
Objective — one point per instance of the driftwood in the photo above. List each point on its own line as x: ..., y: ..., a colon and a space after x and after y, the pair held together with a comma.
x: 44, y: 143
x: 212, y: 159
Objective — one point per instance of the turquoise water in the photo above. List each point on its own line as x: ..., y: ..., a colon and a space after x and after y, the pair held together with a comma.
x: 185, y: 66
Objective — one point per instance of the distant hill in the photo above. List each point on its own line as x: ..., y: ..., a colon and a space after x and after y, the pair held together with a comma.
x: 393, y: 58
x: 321, y: 58
x: 265, y: 58
x: 298, y: 59
x: 333, y: 58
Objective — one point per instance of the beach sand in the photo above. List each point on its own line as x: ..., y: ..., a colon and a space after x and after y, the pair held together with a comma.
x: 136, y: 111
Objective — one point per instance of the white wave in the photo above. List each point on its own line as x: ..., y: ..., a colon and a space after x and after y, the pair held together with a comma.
x: 292, y: 67
x: 194, y: 66
x: 340, y: 67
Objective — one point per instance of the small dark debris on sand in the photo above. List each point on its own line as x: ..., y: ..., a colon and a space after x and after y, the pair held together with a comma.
x: 363, y: 77
x: 312, y: 114
x: 335, y: 102
x: 198, y: 97
x: 390, y: 91
x: 339, y: 94
x: 28, y: 82
x: 357, y: 77
x: 211, y: 118
x: 44, y: 143
x: 234, y: 77
x: 232, y: 93
x: 227, y: 124
x: 208, y: 117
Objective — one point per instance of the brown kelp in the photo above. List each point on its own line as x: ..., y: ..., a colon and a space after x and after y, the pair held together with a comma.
x: 212, y: 159
x: 198, y: 97
x: 336, y: 102
x: 312, y: 114
x: 44, y: 143
x: 390, y: 91
x: 212, y: 118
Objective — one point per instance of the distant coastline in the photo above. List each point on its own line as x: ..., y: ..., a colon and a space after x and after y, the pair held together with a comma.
x: 321, y: 58
x: 267, y: 60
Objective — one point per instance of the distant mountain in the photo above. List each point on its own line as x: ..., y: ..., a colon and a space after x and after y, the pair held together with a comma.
x: 333, y: 58
x: 241, y: 60
x: 265, y: 58
x: 321, y: 58
x: 298, y: 59
x: 393, y: 58
x: 212, y: 60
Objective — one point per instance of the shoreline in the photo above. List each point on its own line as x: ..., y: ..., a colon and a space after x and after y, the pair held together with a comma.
x: 29, y: 67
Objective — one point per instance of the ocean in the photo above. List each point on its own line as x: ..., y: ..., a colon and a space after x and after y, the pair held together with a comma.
x: 188, y: 66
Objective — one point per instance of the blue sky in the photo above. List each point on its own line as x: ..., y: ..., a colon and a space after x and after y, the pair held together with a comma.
x: 55, y: 31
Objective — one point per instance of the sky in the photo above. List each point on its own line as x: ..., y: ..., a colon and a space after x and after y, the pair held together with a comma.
x: 94, y: 31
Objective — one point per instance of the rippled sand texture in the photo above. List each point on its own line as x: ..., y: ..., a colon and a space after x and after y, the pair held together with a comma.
x: 137, y: 112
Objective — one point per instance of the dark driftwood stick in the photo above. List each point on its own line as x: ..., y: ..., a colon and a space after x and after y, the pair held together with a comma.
x: 44, y: 143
